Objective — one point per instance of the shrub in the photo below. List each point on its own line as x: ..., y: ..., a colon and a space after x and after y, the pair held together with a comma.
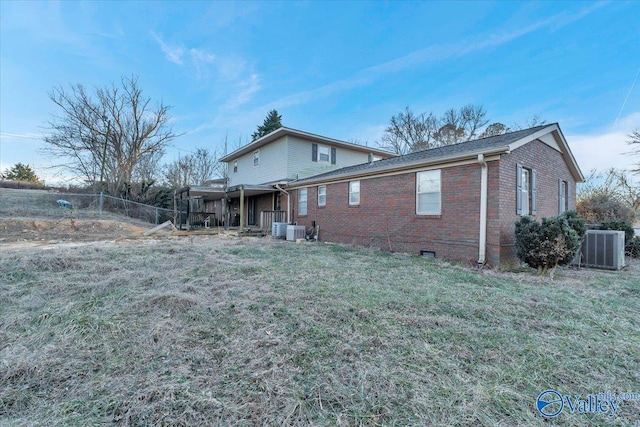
x: 632, y: 248
x: 620, y: 225
x: 602, y: 207
x: 551, y: 243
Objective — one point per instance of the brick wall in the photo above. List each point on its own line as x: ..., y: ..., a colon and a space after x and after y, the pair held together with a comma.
x: 386, y: 217
x: 550, y: 167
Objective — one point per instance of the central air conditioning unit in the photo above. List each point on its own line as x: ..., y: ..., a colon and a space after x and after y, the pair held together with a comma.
x: 279, y: 230
x: 602, y: 249
x: 295, y: 232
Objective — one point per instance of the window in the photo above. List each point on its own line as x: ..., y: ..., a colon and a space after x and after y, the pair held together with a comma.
x: 322, y: 195
x: 563, y: 196
x: 322, y: 153
x: 526, y: 192
x: 302, y: 201
x: 235, y: 166
x: 428, y: 193
x: 256, y: 158
x: 354, y: 193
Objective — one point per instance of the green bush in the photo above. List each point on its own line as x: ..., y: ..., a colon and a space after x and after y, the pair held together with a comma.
x: 632, y: 248
x: 551, y: 243
x: 620, y: 225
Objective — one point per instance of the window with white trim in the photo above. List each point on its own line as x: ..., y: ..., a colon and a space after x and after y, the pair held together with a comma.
x: 322, y: 195
x: 563, y: 196
x: 526, y: 191
x: 354, y: 193
x: 256, y: 158
x: 323, y: 154
x: 235, y: 166
x: 428, y: 193
x: 302, y: 201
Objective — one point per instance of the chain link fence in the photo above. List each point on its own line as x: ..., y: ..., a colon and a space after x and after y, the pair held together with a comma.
x: 44, y: 203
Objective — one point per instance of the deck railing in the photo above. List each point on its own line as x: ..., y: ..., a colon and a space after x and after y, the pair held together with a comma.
x: 267, y: 218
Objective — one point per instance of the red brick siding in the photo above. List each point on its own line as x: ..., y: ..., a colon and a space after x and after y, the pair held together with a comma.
x: 550, y: 167
x: 386, y: 217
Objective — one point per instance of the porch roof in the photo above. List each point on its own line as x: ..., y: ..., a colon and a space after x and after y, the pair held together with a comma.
x: 250, y: 190
x: 218, y: 193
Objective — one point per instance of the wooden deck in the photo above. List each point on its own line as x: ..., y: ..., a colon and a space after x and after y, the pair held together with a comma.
x: 246, y: 232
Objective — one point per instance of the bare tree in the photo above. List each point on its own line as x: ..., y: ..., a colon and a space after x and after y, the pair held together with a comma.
x: 634, y: 138
x: 530, y: 123
x: 461, y: 125
x: 494, y: 129
x: 194, y: 169
x: 609, y: 196
x: 409, y: 132
x: 107, y: 133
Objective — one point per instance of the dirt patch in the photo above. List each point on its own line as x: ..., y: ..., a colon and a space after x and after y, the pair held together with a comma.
x: 48, y: 231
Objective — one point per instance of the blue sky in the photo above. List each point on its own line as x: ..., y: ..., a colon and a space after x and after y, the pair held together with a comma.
x: 339, y: 69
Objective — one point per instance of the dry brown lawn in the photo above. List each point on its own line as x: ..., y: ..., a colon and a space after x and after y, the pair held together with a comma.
x: 216, y: 330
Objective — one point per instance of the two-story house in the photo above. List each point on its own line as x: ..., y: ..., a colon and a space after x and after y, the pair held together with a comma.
x: 258, y: 173
x: 457, y: 202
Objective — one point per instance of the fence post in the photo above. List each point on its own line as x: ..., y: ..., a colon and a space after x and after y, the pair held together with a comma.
x: 156, y: 216
x: 100, y: 203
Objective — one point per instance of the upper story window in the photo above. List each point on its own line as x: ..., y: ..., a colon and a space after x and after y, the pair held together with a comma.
x: 256, y: 158
x: 354, y: 193
x: 563, y: 196
x: 322, y: 195
x: 302, y: 201
x: 428, y: 193
x: 235, y: 166
x: 526, y: 191
x: 323, y: 154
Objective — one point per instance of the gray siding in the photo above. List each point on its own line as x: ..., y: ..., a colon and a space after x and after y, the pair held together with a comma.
x: 288, y: 157
x: 273, y: 165
x: 301, y: 166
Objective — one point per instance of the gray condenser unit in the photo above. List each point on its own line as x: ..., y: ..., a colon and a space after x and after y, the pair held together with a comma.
x: 279, y: 229
x: 602, y: 249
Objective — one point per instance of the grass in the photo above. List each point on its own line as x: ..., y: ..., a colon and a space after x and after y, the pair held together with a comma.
x: 228, y: 331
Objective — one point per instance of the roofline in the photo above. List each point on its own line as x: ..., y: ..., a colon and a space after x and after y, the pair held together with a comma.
x: 403, y: 166
x: 554, y: 127
x: 564, y: 145
x: 284, y: 131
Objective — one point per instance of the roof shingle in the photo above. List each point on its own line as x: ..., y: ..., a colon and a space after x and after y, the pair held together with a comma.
x: 433, y: 154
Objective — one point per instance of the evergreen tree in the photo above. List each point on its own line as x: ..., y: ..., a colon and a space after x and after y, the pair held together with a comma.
x: 21, y: 172
x: 272, y: 122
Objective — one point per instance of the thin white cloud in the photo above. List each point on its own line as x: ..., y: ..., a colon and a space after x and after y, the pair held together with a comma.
x: 245, y: 91
x: 606, y: 149
x: 428, y: 54
x: 200, y: 59
x: 173, y: 53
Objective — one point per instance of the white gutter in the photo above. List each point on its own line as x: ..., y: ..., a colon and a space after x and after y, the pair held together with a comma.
x: 288, y: 200
x: 482, y: 244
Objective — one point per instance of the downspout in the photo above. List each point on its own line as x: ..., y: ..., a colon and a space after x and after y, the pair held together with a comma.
x: 288, y: 200
x: 482, y: 244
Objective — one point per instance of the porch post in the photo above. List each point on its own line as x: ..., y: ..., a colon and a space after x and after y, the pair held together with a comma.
x: 241, y: 206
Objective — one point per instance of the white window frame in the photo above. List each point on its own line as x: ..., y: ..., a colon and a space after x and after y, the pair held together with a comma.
x: 563, y: 196
x: 256, y: 158
x: 302, y: 201
x: 526, y: 191
x: 429, y: 191
x: 235, y: 166
x: 324, y: 150
x: 354, y: 195
x: 322, y: 195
